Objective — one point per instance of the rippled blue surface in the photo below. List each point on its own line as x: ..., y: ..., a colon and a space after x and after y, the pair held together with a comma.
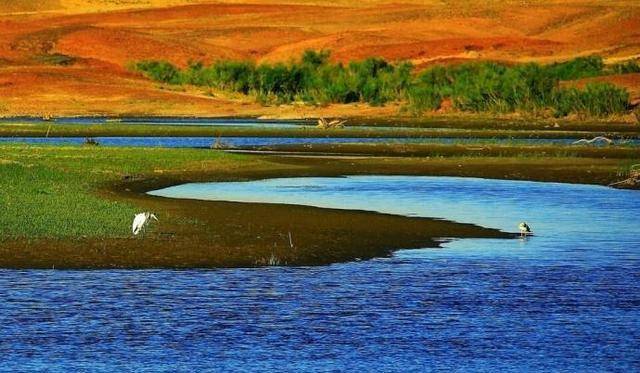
x: 191, y: 142
x: 567, y: 299
x: 198, y: 142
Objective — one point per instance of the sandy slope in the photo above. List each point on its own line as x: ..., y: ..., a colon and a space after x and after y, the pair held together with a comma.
x: 103, y: 36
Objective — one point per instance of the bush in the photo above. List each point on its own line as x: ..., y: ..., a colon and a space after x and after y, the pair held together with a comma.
x: 626, y: 68
x: 484, y: 86
x: 596, y: 99
x: 161, y: 71
x: 578, y: 68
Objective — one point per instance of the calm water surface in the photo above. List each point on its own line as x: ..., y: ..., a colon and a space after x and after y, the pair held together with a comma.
x: 567, y: 299
x: 199, y: 142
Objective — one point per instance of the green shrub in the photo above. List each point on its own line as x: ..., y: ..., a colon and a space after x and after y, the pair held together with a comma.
x: 484, y: 86
x: 474, y: 87
x: 161, y: 71
x: 625, y: 67
x: 602, y: 99
x: 581, y: 67
x: 596, y: 99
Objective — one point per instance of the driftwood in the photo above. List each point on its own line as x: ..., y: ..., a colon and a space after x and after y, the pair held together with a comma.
x: 325, y: 125
x: 219, y: 144
x: 593, y: 140
x: 633, y: 179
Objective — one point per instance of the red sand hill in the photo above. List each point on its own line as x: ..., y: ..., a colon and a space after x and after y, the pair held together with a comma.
x: 70, y: 56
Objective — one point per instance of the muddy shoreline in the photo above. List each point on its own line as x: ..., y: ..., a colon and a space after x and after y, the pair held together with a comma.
x: 206, y: 234
x: 456, y: 126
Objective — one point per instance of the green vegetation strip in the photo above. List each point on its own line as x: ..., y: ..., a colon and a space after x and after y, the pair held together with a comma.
x: 469, y: 87
x: 458, y: 150
x: 141, y: 130
x: 493, y: 122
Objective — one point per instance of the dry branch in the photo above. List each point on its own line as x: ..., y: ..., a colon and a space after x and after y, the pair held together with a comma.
x: 336, y: 123
x: 633, y: 179
x: 593, y: 140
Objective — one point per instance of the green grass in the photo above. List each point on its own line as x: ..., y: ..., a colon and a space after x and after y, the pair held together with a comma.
x: 53, y: 191
x: 481, y: 149
x: 444, y: 130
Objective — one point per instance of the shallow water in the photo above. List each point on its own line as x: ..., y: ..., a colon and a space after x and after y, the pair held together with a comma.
x: 567, y: 299
x: 199, y: 142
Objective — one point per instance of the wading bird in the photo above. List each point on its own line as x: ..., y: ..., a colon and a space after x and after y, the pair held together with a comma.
x: 597, y: 139
x: 525, y: 229
x: 140, y: 222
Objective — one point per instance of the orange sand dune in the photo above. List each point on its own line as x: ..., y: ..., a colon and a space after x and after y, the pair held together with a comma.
x: 101, y: 37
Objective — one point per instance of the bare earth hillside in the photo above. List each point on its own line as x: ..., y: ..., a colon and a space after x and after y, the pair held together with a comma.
x: 70, y: 56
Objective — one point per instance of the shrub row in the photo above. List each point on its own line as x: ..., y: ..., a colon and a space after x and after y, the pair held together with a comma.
x: 475, y: 86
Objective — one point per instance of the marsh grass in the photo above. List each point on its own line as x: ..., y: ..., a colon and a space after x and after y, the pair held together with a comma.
x: 470, y: 149
x: 448, y: 129
x: 50, y: 191
x: 272, y: 261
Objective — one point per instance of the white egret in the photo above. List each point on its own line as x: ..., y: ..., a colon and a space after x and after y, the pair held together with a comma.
x: 597, y: 139
x: 140, y: 221
x: 525, y: 229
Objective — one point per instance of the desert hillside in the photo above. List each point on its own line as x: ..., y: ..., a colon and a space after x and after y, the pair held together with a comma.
x: 71, y: 56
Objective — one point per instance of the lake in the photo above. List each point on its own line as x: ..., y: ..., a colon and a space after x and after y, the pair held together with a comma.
x: 205, y: 142
x: 566, y: 299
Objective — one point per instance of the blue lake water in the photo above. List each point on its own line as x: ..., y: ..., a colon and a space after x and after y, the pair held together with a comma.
x: 198, y: 142
x: 567, y: 299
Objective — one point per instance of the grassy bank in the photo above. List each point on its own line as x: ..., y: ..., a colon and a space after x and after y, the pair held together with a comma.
x: 562, y: 169
x: 497, y: 122
x: 479, y: 149
x: 71, y: 207
x: 439, y: 131
x: 468, y: 87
